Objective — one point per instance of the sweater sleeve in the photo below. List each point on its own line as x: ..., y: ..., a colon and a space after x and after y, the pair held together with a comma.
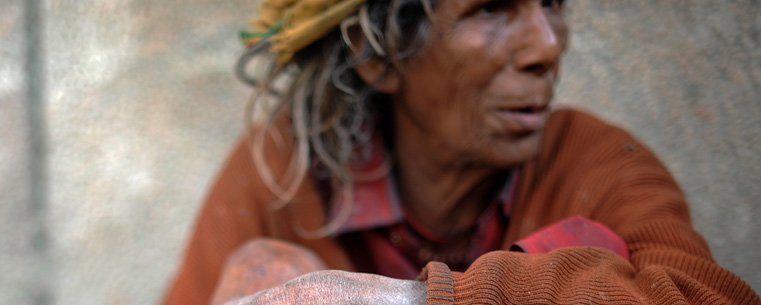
x: 579, y: 275
x: 229, y: 217
x: 600, y: 172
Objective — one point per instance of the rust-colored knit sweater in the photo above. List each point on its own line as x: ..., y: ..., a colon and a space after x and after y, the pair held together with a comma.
x: 585, y: 168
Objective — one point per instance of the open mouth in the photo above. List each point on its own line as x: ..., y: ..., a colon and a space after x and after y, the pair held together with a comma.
x: 524, y: 119
x: 529, y: 110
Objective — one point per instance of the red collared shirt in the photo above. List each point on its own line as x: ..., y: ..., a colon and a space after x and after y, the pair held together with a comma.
x: 382, y: 239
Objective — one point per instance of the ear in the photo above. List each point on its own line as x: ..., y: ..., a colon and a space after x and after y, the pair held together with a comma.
x: 373, y: 71
x: 384, y: 78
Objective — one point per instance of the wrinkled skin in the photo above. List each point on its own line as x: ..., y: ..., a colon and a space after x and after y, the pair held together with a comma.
x: 473, y: 104
x: 479, y: 95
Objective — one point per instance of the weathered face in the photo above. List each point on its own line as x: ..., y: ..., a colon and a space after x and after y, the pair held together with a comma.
x: 481, y: 91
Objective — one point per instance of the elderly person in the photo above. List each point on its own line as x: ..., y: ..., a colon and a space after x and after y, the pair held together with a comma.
x: 414, y: 150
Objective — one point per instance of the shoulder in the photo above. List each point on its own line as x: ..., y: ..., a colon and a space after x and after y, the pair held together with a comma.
x: 574, y: 127
x: 575, y: 138
x: 600, y: 171
x: 256, y: 166
x: 581, y: 153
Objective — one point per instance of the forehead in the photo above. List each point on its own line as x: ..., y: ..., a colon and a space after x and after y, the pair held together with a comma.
x: 464, y: 6
x: 459, y: 6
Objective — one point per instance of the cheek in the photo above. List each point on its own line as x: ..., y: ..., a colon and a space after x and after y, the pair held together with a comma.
x: 478, y: 50
x: 449, y: 82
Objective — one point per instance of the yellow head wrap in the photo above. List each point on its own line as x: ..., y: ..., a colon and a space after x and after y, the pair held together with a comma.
x: 294, y: 24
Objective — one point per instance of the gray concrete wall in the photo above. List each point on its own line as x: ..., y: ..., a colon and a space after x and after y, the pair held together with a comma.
x: 138, y: 107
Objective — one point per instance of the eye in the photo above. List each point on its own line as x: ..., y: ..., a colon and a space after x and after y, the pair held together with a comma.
x: 553, y: 4
x: 494, y: 6
x: 489, y: 7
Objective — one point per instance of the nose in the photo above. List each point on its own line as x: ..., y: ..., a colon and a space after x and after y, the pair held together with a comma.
x: 542, y: 42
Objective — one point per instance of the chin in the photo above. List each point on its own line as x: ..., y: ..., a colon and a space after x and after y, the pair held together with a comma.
x: 517, y: 151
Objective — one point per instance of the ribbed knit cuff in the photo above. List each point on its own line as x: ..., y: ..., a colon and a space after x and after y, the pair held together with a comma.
x: 440, y: 283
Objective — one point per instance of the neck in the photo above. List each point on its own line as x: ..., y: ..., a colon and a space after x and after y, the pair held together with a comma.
x: 439, y: 190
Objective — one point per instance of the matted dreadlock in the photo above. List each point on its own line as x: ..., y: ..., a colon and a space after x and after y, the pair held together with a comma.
x: 334, y: 112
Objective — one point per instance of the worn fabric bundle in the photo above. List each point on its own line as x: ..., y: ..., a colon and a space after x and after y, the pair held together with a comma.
x: 291, y: 25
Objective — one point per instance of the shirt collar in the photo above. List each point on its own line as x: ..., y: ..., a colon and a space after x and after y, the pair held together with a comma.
x: 377, y: 204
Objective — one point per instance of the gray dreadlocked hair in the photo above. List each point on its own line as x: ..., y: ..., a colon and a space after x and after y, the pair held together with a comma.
x: 334, y: 112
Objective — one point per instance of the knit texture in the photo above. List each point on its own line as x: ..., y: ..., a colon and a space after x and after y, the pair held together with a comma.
x: 440, y: 283
x: 585, y: 168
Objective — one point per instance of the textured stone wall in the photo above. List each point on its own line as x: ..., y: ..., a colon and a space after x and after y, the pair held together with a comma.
x: 137, y: 107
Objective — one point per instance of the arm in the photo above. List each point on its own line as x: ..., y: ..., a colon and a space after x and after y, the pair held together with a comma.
x: 599, y: 172
x: 238, y: 210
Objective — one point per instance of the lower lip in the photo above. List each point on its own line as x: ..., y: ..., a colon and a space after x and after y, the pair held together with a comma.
x: 524, y: 122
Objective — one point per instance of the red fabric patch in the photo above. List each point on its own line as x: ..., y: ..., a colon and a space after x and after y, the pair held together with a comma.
x: 573, y: 232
